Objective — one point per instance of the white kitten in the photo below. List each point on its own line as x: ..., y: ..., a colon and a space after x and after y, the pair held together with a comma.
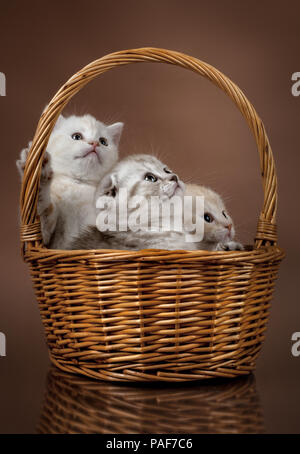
x: 80, y: 151
x: 144, y: 176
x: 219, y: 230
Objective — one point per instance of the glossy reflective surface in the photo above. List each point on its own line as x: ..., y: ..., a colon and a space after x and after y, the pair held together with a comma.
x: 77, y: 405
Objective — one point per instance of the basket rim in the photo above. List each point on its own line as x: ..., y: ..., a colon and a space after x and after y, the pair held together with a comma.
x: 263, y: 254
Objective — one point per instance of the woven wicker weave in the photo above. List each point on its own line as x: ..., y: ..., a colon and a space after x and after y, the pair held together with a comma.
x: 152, y: 314
x: 79, y: 405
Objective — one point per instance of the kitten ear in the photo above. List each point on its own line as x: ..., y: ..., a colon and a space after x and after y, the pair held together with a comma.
x: 115, y: 131
x: 108, y: 186
x: 59, y: 121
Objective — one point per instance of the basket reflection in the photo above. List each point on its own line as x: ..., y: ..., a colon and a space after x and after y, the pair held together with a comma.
x: 74, y: 404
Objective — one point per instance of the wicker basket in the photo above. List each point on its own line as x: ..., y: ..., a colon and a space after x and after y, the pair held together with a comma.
x: 152, y: 315
x: 79, y: 405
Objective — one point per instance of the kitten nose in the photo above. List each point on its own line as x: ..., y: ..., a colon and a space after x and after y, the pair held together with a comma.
x: 174, y: 178
x: 95, y: 144
x: 229, y: 227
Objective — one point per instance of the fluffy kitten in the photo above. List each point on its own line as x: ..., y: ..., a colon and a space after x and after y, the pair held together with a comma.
x: 141, y: 175
x: 219, y: 230
x: 80, y: 151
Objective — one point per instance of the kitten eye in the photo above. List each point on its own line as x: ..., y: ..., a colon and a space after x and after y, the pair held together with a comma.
x: 224, y: 214
x: 167, y: 170
x: 103, y: 141
x: 150, y: 177
x: 77, y: 136
x: 208, y: 217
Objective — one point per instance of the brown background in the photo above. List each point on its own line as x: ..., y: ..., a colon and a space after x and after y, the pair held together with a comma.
x: 192, y: 125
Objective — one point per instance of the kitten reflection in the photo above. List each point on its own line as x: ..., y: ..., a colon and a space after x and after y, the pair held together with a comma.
x: 78, y: 405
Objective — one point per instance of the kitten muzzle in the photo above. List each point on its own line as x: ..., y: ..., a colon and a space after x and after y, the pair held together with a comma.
x: 230, y: 234
x: 170, y: 189
x: 92, y: 152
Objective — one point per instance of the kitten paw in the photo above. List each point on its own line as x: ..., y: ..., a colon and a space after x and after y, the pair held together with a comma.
x: 230, y: 246
x: 46, y: 173
x: 22, y: 161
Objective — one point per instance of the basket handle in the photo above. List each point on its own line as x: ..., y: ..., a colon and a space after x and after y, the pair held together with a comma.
x: 31, y: 229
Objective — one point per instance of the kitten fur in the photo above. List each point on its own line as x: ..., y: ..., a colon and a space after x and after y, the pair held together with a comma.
x: 218, y: 234
x: 79, y: 152
x: 130, y: 173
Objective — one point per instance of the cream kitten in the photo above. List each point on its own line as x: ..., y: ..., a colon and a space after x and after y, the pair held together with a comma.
x: 219, y: 230
x: 80, y: 151
x: 141, y: 175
